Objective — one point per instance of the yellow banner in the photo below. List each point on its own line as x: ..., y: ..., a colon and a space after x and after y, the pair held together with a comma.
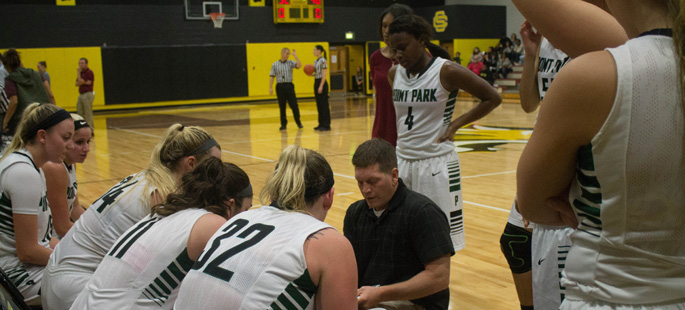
x: 257, y: 2
x: 66, y: 2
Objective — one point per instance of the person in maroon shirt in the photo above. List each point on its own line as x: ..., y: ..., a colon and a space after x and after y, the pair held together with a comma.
x: 384, y: 124
x: 84, y: 81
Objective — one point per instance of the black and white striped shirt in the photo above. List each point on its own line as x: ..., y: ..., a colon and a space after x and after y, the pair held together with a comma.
x: 283, y: 71
x: 319, y: 65
x: 4, y: 101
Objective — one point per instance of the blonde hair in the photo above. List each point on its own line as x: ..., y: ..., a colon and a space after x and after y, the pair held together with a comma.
x: 300, y: 178
x: 32, y: 116
x: 177, y: 142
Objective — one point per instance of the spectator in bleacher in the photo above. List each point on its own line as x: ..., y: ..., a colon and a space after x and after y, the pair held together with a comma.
x: 489, y: 68
x: 517, y: 56
x: 476, y: 67
x: 504, y: 66
x: 457, y: 58
x: 476, y: 56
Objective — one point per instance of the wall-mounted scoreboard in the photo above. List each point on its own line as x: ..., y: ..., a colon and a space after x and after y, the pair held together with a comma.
x: 298, y: 11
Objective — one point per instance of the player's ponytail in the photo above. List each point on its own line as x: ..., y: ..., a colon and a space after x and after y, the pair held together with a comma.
x: 300, y: 178
x: 177, y: 143
x: 437, y: 50
x: 26, y: 131
x: 322, y: 50
x: 209, y: 187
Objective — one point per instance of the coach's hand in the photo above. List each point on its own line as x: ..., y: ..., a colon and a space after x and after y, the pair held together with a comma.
x: 368, y: 296
x: 271, y: 91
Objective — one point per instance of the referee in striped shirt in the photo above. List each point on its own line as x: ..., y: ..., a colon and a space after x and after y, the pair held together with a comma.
x: 282, y: 70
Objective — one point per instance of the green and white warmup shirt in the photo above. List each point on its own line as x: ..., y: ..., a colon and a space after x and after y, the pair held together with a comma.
x: 145, y: 267
x: 424, y: 110
x: 629, y: 188
x: 23, y: 191
x: 255, y: 261
x: 91, y: 237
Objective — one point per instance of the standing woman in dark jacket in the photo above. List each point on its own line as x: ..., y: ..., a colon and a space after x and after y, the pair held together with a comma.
x: 23, y: 86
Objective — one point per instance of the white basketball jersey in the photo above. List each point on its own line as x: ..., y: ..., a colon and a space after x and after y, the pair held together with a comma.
x: 145, y: 267
x: 72, y: 186
x: 424, y: 111
x: 551, y: 60
x: 629, y: 187
x: 8, y: 247
x: 106, y: 219
x: 255, y: 261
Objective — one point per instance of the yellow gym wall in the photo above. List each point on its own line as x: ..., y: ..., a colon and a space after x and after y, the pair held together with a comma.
x: 466, y: 46
x: 62, y: 64
x: 260, y: 58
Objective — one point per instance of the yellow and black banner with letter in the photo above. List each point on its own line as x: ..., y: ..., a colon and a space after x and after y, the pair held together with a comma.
x: 66, y: 2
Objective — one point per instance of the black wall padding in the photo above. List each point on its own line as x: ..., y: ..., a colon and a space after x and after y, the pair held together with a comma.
x: 182, y: 73
x: 161, y: 25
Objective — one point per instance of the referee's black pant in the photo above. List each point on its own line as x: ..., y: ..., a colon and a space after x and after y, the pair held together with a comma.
x: 286, y: 92
x: 322, y: 104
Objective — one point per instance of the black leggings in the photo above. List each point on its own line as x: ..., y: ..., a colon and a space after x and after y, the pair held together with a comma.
x: 322, y: 104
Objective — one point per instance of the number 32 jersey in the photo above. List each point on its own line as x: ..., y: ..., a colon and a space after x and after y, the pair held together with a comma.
x: 424, y: 110
x: 255, y: 261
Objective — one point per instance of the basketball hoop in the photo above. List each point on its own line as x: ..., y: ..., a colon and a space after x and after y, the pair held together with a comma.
x: 217, y: 18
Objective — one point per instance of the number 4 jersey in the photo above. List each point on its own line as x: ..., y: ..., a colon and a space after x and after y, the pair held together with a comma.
x: 424, y: 110
x: 81, y: 250
x: 255, y: 261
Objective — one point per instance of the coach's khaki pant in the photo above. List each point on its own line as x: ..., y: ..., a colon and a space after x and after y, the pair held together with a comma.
x: 84, y: 107
x: 397, y: 305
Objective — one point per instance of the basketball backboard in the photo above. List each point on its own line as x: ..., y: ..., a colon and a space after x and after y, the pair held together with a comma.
x: 200, y: 10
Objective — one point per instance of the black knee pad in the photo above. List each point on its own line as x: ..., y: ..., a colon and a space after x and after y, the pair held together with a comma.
x: 516, y: 247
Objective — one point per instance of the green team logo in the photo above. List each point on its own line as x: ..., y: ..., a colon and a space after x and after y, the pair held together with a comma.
x: 440, y: 21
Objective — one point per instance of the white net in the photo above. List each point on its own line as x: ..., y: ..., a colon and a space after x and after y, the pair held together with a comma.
x: 217, y: 18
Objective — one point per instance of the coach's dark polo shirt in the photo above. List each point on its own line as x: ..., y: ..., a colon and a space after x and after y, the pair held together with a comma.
x: 394, y: 247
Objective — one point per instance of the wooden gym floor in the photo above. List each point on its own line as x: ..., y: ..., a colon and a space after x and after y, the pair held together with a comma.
x: 249, y: 136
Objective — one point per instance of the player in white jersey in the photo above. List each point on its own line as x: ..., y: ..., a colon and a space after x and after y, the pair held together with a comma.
x: 144, y: 268
x: 618, y: 176
x: 44, y: 134
x: 281, y: 256
x: 61, y: 180
x: 425, y: 89
x: 80, y: 251
x: 578, y: 36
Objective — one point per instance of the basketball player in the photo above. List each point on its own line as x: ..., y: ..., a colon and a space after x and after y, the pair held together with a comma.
x: 321, y: 89
x: 146, y: 265
x: 281, y: 256
x: 542, y: 62
x: 61, y: 180
x: 616, y: 137
x: 88, y: 241
x: 282, y: 71
x: 425, y: 89
x: 43, y: 134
